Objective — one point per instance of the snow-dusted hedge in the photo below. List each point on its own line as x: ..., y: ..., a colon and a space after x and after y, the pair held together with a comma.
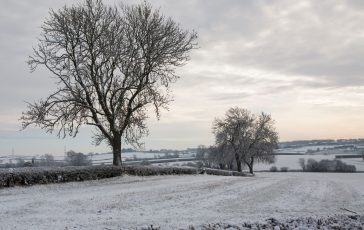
x: 219, y: 172
x: 141, y: 170
x: 304, y: 223
x: 155, y: 170
x: 45, y: 175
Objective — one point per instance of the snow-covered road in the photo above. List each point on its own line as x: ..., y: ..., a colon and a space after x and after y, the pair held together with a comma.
x: 178, y: 201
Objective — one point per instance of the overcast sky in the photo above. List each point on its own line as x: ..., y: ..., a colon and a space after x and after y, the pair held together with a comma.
x: 301, y: 61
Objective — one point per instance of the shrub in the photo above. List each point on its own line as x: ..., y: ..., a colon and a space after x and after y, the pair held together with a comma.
x: 220, y: 172
x: 191, y: 164
x: 139, y: 170
x: 145, y: 162
x: 199, y: 164
x: 284, y: 169
x: 329, y: 166
x: 273, y: 169
x: 302, y: 163
x: 77, y: 159
x: 20, y: 162
x: 45, y: 175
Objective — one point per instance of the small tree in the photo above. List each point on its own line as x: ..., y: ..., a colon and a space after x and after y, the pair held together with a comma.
x: 264, y: 141
x: 246, y: 136
x: 47, y: 160
x: 201, y: 152
x: 20, y: 162
x: 112, y: 64
x: 302, y: 163
x: 210, y: 161
x: 220, y: 157
x: 77, y: 159
x: 233, y: 134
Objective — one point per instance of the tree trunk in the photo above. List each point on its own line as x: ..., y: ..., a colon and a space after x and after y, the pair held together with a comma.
x: 116, y: 150
x: 238, y: 162
x: 250, y: 165
x: 250, y: 168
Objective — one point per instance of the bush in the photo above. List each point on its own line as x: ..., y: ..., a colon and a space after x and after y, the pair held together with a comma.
x: 20, y: 162
x: 77, y: 159
x: 273, y: 169
x: 220, y: 172
x: 191, y: 164
x: 199, y: 164
x: 46, y: 160
x: 138, y: 170
x: 328, y: 166
x: 46, y: 175
x: 302, y: 163
x: 284, y: 169
x: 145, y: 162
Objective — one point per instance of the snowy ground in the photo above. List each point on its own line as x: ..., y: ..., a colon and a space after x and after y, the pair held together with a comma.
x: 178, y: 201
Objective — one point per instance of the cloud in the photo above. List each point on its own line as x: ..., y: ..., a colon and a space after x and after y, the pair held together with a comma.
x: 320, y: 39
x: 298, y: 60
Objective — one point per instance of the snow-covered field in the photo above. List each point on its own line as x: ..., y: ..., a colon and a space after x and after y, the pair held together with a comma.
x: 178, y: 201
x: 291, y: 161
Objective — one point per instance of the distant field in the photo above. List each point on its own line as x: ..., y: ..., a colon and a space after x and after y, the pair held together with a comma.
x: 178, y: 201
x: 102, y: 158
x: 292, y: 161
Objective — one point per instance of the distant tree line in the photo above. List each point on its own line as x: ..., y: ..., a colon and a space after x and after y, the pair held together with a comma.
x: 312, y: 165
x: 72, y: 158
x: 275, y: 169
x: 300, y: 143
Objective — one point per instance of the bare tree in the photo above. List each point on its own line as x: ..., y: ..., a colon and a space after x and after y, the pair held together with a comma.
x: 201, y: 152
x: 233, y: 133
x: 112, y: 64
x: 264, y: 141
x: 248, y: 137
x: 223, y: 156
x: 216, y: 157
